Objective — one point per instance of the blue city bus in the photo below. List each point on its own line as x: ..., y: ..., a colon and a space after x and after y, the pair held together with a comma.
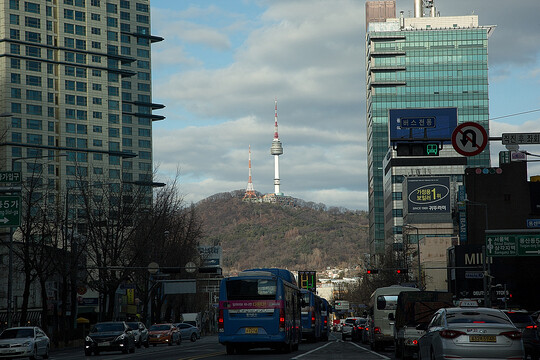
x: 259, y: 308
x: 311, y: 316
x: 326, y: 310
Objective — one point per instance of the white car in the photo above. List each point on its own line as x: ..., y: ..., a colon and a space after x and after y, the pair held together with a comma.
x: 26, y: 341
x: 140, y: 332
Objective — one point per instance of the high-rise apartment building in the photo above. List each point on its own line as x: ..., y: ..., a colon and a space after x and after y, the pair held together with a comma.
x: 76, y: 97
x: 421, y: 62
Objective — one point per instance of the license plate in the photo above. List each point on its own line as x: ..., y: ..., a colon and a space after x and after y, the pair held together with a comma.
x: 252, y: 330
x: 106, y: 343
x: 482, y: 338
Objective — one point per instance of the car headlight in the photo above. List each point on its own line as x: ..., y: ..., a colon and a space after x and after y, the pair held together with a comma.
x: 89, y: 339
x: 27, y: 343
x: 121, y: 337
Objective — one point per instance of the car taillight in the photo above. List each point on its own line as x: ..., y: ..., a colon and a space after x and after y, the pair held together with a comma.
x: 532, y: 326
x: 281, y: 319
x: 451, y: 334
x: 377, y: 330
x: 312, y: 320
x: 514, y: 335
x: 220, y: 321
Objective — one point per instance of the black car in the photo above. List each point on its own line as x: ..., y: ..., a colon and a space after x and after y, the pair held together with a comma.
x: 531, y: 340
x: 109, y: 336
x: 358, y: 329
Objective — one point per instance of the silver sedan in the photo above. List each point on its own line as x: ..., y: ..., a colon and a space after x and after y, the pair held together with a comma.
x: 188, y: 331
x: 471, y: 333
x: 25, y: 341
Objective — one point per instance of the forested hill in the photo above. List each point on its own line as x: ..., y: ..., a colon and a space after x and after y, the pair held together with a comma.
x: 299, y: 236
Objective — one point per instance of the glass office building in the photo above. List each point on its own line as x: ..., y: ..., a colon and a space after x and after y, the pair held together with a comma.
x: 422, y: 62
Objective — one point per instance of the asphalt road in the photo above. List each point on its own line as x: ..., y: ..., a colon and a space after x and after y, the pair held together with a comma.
x: 208, y: 347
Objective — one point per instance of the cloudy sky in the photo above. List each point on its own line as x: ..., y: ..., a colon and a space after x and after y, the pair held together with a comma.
x: 223, y: 62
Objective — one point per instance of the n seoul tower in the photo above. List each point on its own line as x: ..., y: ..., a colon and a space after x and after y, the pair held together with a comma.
x: 276, y: 150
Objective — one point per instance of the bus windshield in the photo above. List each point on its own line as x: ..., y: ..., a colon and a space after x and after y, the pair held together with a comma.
x: 251, y: 289
x: 307, y: 302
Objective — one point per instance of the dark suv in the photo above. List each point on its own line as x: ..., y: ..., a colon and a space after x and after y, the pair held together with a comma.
x: 531, y: 340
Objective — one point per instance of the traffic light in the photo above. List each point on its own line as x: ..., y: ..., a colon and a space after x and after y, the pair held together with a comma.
x: 401, y: 271
x: 418, y: 149
x: 372, y: 271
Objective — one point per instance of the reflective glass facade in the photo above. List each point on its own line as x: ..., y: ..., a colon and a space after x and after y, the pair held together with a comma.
x: 429, y: 67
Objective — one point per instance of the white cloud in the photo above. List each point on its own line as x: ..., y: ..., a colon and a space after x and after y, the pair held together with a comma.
x: 310, y: 55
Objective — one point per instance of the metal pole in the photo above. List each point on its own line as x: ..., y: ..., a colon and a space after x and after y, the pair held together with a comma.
x: 484, y: 264
x: 10, y: 280
x: 419, y: 268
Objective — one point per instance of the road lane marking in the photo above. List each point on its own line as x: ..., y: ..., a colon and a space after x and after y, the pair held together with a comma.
x: 373, y: 352
x: 202, y: 356
x: 309, y: 352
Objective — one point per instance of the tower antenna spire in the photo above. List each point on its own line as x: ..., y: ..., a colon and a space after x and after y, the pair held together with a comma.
x: 250, y: 194
x: 276, y: 149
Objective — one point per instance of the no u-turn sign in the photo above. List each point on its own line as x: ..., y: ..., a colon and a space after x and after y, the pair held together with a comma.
x: 469, y: 139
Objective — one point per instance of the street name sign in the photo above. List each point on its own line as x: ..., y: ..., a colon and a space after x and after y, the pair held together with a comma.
x: 513, y: 245
x: 417, y: 122
x: 10, y: 177
x: 10, y: 211
x: 520, y: 138
x: 533, y: 223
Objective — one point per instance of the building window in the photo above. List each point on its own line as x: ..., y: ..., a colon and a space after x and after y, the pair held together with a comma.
x: 112, y: 36
x: 15, y: 63
x: 15, y: 78
x: 34, y: 109
x: 31, y: 7
x: 16, y: 93
x: 34, y: 139
x: 34, y: 124
x: 33, y: 80
x: 82, y: 115
x: 14, y: 34
x: 112, y: 22
x: 33, y: 66
x: 14, y: 19
x: 16, y: 108
x: 32, y: 36
x: 70, y: 128
x: 142, y: 7
x: 69, y: 28
x: 33, y: 95
x: 95, y: 3
x: 112, y: 8
x: 95, y: 17
x: 14, y: 4
x: 32, y: 22
x: 16, y: 122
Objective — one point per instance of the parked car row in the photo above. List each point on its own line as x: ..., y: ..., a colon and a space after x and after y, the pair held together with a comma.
x: 125, y: 337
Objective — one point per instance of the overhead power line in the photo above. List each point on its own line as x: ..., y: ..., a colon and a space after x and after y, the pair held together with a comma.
x: 516, y: 114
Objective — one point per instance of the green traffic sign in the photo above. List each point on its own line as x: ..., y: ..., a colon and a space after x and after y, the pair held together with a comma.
x: 10, y: 177
x: 513, y: 245
x: 10, y: 211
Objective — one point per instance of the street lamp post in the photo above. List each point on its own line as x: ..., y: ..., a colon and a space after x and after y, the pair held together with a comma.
x: 418, y: 251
